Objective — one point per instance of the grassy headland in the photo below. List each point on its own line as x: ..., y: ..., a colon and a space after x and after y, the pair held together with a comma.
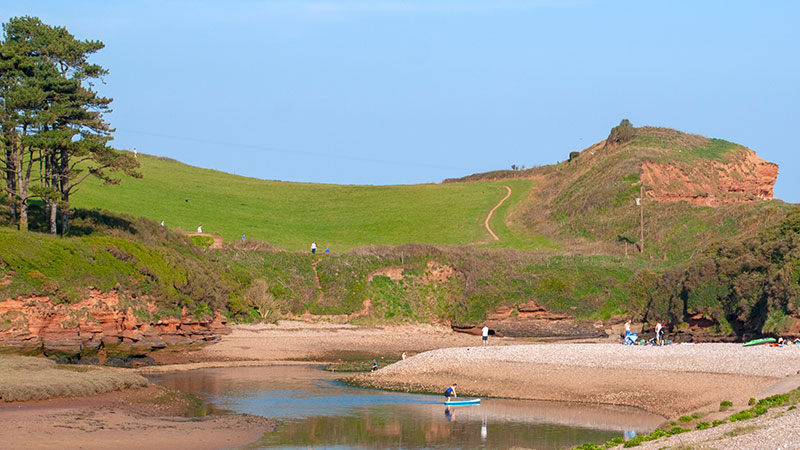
x: 562, y: 235
x: 291, y: 215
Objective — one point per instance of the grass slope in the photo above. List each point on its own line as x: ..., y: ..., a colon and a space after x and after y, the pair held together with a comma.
x: 291, y: 215
x: 587, y: 205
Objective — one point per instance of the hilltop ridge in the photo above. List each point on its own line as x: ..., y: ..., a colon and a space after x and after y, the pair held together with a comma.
x: 696, y: 190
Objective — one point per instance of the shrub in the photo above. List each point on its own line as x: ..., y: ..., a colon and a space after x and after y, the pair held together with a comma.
x: 259, y: 297
x: 202, y: 241
x: 724, y: 405
x: 685, y: 419
x: 622, y: 133
x: 573, y: 155
x: 703, y: 425
x: 717, y: 423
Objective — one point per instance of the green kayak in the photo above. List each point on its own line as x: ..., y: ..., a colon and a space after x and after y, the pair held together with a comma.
x: 758, y: 342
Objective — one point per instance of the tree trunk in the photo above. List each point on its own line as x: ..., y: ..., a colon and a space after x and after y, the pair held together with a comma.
x: 11, y: 182
x: 22, y: 194
x: 63, y: 187
x: 53, y: 216
x: 65, y: 218
x: 23, y: 212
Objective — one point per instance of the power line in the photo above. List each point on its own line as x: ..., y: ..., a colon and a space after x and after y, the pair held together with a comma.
x: 290, y: 152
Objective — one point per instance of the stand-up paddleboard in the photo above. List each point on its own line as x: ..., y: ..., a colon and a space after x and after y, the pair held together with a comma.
x: 475, y: 401
x: 758, y: 342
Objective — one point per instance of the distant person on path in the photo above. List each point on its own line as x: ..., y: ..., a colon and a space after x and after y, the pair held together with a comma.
x: 162, y: 222
x: 327, y: 250
x: 485, y: 335
x: 627, y: 328
x: 199, y: 228
x: 403, y: 355
x: 450, y: 392
x: 374, y: 366
x: 659, y: 333
x: 243, y: 238
x: 314, y: 247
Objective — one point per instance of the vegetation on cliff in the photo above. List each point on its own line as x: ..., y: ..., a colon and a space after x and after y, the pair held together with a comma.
x: 749, y: 286
x: 625, y: 226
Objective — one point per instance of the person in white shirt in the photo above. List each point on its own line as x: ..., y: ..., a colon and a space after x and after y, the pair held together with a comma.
x: 485, y: 334
x: 659, y: 333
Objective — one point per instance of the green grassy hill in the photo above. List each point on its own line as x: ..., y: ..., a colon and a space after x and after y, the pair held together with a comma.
x: 588, y: 204
x: 291, y: 215
x: 577, y: 215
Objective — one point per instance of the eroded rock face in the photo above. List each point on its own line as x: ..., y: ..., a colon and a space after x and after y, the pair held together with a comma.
x: 34, y: 325
x: 532, y: 320
x: 746, y: 177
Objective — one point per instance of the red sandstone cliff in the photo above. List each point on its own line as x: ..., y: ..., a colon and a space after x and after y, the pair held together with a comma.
x: 35, y: 325
x: 746, y: 177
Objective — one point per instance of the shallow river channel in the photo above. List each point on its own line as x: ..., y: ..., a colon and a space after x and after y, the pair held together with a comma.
x: 317, y: 411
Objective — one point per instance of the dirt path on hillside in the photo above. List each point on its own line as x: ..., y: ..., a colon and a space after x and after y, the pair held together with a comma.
x: 489, y: 217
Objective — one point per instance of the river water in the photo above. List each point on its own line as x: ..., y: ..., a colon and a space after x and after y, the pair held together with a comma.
x: 317, y: 411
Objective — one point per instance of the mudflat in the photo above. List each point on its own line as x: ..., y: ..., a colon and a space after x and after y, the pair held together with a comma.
x: 131, y: 419
x: 669, y: 381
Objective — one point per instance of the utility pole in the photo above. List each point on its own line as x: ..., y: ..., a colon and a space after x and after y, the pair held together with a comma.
x: 641, y: 217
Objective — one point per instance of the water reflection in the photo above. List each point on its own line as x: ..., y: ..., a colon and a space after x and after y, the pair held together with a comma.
x: 318, y: 411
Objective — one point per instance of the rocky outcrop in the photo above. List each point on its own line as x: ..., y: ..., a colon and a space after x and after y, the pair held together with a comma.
x: 744, y: 177
x: 531, y: 320
x: 99, y: 323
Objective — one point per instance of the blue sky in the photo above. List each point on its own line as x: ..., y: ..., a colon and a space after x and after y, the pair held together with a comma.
x: 396, y: 92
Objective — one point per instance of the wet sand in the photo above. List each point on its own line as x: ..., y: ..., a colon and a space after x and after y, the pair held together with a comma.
x: 126, y: 419
x: 668, y: 381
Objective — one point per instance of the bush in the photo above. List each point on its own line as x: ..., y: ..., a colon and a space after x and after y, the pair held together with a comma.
x: 703, y: 425
x: 724, y: 405
x: 259, y: 297
x: 717, y: 423
x: 202, y: 241
x: 573, y: 155
x: 622, y: 133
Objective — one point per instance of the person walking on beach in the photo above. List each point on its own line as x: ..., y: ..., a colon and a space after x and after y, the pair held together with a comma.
x: 485, y: 335
x: 314, y: 247
x: 659, y: 333
x: 450, y: 392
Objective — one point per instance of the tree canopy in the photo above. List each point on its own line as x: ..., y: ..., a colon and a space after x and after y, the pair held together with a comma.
x: 54, y: 134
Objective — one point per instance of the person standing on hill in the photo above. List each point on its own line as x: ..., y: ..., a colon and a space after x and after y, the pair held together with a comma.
x: 314, y: 247
x: 485, y: 335
x: 199, y: 228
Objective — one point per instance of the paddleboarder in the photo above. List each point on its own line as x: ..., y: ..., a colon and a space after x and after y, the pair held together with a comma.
x: 450, y: 392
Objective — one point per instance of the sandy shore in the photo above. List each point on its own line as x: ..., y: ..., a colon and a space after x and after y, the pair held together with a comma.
x: 669, y: 381
x: 127, y: 419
